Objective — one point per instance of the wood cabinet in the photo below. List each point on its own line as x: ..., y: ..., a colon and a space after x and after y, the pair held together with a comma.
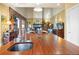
x: 59, y: 32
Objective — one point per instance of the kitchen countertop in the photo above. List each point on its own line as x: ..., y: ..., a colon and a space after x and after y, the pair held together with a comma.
x: 43, y: 45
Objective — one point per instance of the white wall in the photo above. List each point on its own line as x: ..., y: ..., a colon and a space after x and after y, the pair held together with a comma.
x: 47, y: 13
x: 72, y: 25
x: 37, y: 14
x: 57, y: 10
x: 26, y: 12
x: 0, y: 29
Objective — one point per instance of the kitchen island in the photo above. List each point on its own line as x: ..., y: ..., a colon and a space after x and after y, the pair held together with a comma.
x: 43, y: 44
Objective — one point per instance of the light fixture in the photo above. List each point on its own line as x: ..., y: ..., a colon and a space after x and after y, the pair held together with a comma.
x: 23, y: 25
x: 38, y: 9
x: 8, y: 22
x: 58, y: 4
x: 46, y: 20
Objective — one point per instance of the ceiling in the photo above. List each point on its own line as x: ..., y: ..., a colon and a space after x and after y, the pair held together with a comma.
x: 32, y: 5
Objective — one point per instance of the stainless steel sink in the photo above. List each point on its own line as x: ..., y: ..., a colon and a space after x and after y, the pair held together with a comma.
x: 21, y: 46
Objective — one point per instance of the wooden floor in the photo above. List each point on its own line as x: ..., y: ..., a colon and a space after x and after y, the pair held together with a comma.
x: 44, y: 44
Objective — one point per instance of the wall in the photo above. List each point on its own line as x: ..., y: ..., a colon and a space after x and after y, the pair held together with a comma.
x: 0, y: 28
x: 26, y: 12
x: 4, y: 10
x: 59, y: 14
x: 48, y: 12
x: 37, y: 17
x: 57, y: 10
x: 58, y: 17
x: 72, y: 24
